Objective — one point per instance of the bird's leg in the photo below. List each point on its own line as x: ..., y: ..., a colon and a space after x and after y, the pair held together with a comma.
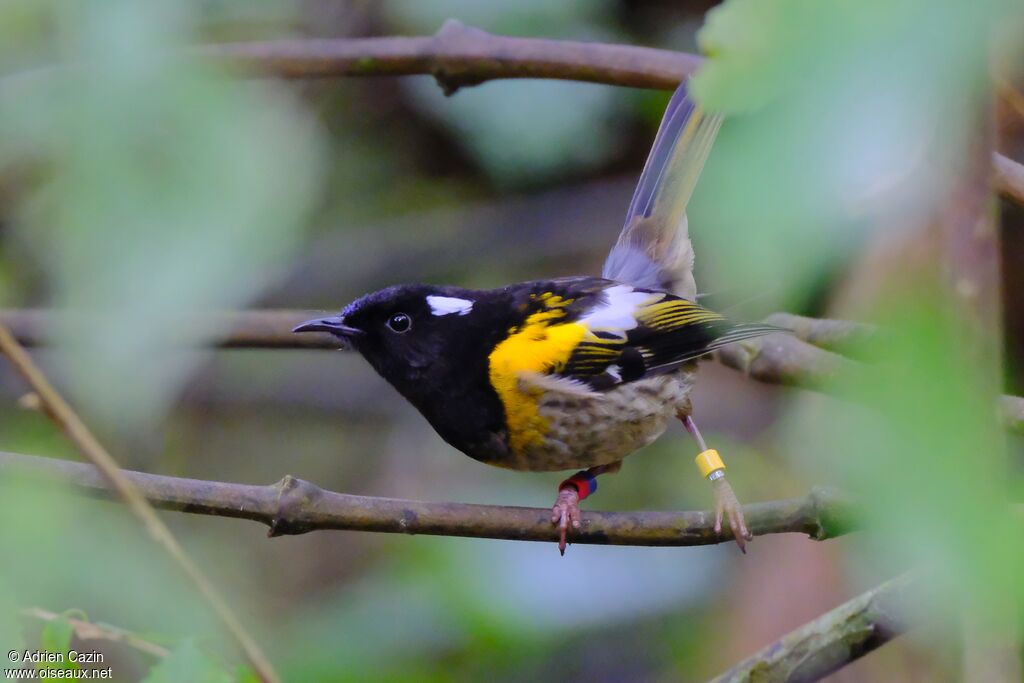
x: 726, y: 504
x: 566, y: 511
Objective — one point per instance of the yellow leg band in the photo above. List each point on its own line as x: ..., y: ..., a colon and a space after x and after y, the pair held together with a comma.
x: 709, y: 462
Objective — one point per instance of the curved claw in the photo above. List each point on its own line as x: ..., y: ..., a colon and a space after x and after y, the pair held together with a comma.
x: 566, y: 513
x: 727, y: 506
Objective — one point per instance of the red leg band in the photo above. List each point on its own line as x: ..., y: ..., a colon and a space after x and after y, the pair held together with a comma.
x: 584, y: 482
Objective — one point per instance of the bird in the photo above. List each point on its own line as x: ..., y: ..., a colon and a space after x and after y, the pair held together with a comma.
x: 568, y: 373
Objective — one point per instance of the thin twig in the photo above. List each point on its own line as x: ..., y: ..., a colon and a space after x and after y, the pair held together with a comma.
x: 265, y: 329
x: 833, y: 640
x: 61, y: 412
x: 88, y: 630
x: 293, y: 506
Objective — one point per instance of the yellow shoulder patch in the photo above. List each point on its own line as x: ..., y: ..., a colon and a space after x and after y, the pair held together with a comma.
x: 540, y: 346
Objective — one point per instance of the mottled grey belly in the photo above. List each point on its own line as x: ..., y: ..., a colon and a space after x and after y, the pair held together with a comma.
x: 589, y: 430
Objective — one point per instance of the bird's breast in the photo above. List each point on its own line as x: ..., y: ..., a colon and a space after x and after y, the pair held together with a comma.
x: 579, y: 431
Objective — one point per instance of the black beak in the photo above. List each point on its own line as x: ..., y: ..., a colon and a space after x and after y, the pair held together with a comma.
x: 334, y: 325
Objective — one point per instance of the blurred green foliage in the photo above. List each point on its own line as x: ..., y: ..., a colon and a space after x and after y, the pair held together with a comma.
x: 56, y: 640
x: 922, y: 443
x: 846, y: 118
x: 150, y: 156
x: 189, y: 663
x: 855, y: 118
x: 147, y: 187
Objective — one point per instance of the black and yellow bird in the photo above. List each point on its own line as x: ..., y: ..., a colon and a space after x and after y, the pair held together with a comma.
x: 574, y: 372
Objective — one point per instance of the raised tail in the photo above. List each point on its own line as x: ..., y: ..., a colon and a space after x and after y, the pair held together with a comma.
x: 653, y: 250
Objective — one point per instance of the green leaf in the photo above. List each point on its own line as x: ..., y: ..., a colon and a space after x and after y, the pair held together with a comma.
x: 188, y: 662
x: 56, y: 638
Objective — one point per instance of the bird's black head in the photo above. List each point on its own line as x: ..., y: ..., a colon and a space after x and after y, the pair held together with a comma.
x: 406, y: 330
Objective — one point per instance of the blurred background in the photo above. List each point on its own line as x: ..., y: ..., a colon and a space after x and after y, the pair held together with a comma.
x: 139, y: 188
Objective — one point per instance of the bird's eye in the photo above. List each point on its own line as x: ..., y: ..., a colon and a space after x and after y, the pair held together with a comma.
x: 400, y: 323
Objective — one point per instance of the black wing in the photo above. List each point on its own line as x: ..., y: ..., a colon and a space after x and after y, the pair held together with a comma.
x: 668, y: 333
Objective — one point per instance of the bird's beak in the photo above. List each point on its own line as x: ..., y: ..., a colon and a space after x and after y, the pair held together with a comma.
x: 334, y: 325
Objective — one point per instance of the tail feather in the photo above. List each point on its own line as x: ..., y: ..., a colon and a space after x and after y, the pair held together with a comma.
x: 735, y: 332
x: 740, y: 332
x: 653, y: 250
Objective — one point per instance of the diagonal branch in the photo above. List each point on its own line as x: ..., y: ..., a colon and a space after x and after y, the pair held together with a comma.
x: 54, y: 405
x: 294, y: 506
x: 833, y: 640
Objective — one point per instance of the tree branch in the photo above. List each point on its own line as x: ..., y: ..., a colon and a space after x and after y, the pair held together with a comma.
x: 263, y: 329
x: 293, y: 506
x: 54, y: 405
x: 840, y: 336
x: 833, y: 640
x: 459, y: 56
x: 785, y: 359
x: 801, y: 360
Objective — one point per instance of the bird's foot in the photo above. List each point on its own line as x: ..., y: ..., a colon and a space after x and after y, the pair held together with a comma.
x: 728, y: 507
x: 566, y: 513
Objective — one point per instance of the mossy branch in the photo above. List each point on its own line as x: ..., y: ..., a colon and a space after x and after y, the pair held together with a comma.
x: 833, y: 640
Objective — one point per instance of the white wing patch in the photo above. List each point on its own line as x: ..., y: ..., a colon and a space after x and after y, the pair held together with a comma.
x: 446, y: 305
x: 617, y: 313
x: 565, y: 386
x: 613, y: 370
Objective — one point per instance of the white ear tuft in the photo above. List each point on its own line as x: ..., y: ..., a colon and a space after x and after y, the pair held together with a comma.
x: 446, y: 305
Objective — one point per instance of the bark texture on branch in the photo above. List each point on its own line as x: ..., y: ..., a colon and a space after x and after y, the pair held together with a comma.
x: 839, y: 336
x: 458, y: 56
x: 833, y: 640
x: 785, y: 359
x: 294, y: 506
